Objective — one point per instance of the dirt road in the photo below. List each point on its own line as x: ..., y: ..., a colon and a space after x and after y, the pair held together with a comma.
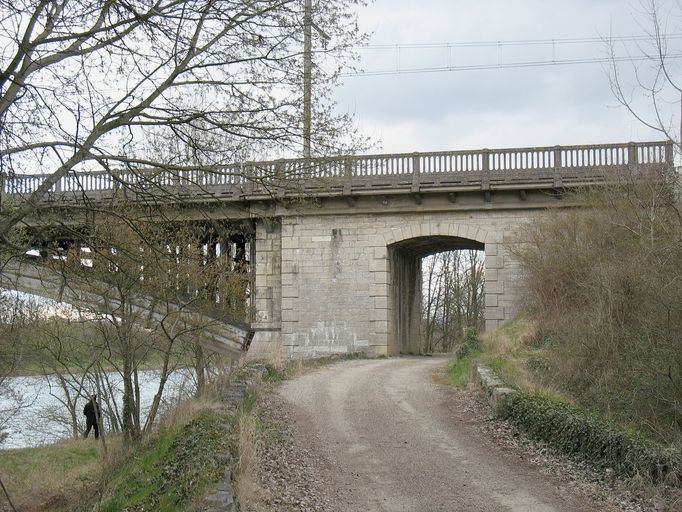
x: 393, y: 439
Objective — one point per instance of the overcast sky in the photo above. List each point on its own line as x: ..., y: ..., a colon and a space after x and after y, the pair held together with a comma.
x: 468, y: 109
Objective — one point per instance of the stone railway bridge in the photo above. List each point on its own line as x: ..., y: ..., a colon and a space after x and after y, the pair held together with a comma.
x: 335, y: 244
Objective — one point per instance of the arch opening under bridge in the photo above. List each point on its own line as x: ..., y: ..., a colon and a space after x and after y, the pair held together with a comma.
x: 407, y: 286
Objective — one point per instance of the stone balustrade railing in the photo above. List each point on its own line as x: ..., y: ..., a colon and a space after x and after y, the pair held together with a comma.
x: 233, y: 180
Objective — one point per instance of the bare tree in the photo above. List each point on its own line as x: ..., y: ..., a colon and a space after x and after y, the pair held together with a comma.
x: 453, y: 297
x: 134, y: 86
x: 646, y: 82
x: 160, y: 289
x: 16, y: 319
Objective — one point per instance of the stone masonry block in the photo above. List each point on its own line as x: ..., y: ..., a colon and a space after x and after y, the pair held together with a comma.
x: 380, y: 277
x: 264, y: 245
x: 290, y: 292
x: 493, y: 262
x: 452, y: 229
x: 377, y: 241
x: 378, y: 290
x: 490, y: 300
x: 262, y: 317
x: 474, y: 233
x: 290, y: 242
x: 289, y: 267
x: 496, y: 287
x: 494, y: 313
x: 288, y: 279
x: 288, y: 229
x: 378, y: 265
x: 379, y: 326
x: 491, y: 249
x: 509, y: 238
x: 493, y: 236
x: 377, y: 338
x: 289, y: 303
x: 381, y: 302
x: 264, y: 292
x: 290, y: 339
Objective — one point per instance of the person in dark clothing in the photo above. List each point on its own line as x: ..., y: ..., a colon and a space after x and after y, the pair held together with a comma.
x: 92, y: 416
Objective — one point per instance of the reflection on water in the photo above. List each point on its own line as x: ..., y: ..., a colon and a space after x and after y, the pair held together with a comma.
x: 43, y: 418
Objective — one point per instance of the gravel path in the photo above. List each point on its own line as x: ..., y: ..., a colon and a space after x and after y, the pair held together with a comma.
x: 384, y: 435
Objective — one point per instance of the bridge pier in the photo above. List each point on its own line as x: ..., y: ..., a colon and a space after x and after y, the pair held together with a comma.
x: 346, y: 283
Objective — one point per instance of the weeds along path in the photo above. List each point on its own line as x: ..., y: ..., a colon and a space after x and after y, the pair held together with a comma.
x: 386, y: 436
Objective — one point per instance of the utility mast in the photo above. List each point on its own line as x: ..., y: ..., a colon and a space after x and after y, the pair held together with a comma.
x: 307, y: 74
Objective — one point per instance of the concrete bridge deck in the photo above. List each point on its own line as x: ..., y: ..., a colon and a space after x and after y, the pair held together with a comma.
x: 350, y: 176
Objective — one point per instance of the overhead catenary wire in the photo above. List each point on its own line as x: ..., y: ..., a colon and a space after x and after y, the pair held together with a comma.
x: 509, y: 65
x: 516, y: 42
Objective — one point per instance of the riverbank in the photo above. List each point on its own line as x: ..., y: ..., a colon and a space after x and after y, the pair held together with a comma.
x: 170, y: 470
x: 42, y: 415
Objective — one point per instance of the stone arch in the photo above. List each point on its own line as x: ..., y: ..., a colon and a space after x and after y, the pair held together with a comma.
x: 460, y: 229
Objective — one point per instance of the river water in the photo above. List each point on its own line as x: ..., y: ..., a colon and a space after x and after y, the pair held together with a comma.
x: 42, y: 418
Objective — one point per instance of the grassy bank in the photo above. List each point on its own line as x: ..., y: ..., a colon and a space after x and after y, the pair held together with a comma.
x: 53, y: 477
x: 548, y: 413
x: 590, y: 436
x: 172, y: 472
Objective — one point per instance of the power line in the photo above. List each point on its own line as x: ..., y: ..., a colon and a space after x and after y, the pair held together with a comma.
x: 510, y: 65
x: 517, y: 42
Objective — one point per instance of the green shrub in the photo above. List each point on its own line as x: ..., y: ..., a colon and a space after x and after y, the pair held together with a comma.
x: 470, y: 344
x: 572, y: 430
x: 459, y: 373
x: 603, y: 286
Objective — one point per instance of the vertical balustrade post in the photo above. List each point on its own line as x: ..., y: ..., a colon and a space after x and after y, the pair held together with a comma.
x: 416, y: 171
x: 485, y: 169
x: 558, y: 164
x: 175, y: 180
x: 347, y: 176
x: 632, y: 154
x: 669, y: 153
x: 557, y: 157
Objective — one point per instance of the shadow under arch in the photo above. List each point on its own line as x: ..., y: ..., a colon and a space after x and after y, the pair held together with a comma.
x: 405, y: 283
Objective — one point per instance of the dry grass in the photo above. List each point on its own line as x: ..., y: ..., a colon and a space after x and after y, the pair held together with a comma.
x: 186, y: 410
x: 512, y: 350
x: 512, y: 336
x: 51, y: 477
x: 604, y: 285
x: 247, y: 488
